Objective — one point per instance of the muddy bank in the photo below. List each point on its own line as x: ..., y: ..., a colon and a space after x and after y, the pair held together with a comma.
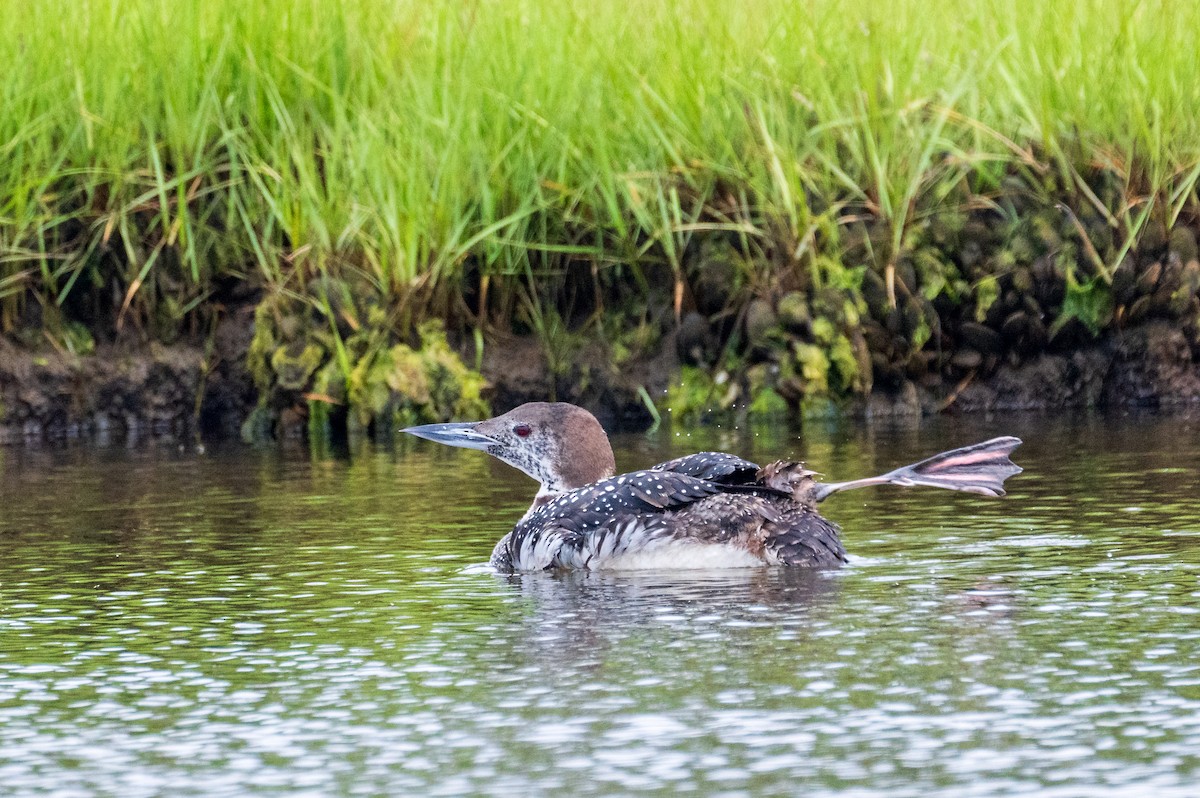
x: 1149, y: 366
x: 205, y: 389
x: 1017, y: 303
x: 123, y: 391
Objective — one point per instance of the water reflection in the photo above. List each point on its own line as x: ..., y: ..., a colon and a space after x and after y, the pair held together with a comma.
x: 583, y: 616
x: 269, y: 622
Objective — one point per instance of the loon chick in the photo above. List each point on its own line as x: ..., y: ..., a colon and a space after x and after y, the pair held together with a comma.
x: 709, y: 509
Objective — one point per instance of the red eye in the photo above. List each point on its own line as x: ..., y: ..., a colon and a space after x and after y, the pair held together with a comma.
x: 522, y: 430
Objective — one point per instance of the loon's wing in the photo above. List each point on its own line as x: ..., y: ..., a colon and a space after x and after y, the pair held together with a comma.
x: 637, y: 492
x: 579, y: 524
x: 726, y: 469
x: 806, y: 538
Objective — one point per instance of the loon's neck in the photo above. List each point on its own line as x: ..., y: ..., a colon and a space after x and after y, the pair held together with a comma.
x: 544, y: 495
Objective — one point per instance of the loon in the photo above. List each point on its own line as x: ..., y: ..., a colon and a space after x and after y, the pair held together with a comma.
x: 709, y: 509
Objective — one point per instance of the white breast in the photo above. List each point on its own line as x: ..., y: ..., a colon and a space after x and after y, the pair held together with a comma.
x: 678, y: 555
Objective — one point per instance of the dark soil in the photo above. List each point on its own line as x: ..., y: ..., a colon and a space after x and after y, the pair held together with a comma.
x: 516, y: 369
x: 1014, y: 290
x: 202, y: 388
x: 177, y: 390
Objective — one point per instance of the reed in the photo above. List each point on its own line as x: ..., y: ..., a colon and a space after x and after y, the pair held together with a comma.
x: 151, y: 151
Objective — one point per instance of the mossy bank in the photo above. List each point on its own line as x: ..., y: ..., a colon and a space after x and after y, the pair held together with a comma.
x: 806, y: 205
x: 1003, y: 306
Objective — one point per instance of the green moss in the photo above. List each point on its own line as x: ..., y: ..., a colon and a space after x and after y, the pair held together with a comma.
x: 946, y: 227
x: 1090, y: 302
x: 295, y: 362
x: 263, y: 345
x: 987, y: 291
x: 368, y: 394
x: 767, y: 406
x: 455, y: 391
x: 1021, y: 251
x: 845, y: 373
x: 403, y: 385
x: 814, y: 368
x: 77, y: 339
x: 793, y: 312
x: 823, y: 330
x: 920, y: 335
x: 691, y: 397
x: 936, y: 274
x: 329, y: 383
x: 407, y: 377
x: 376, y: 379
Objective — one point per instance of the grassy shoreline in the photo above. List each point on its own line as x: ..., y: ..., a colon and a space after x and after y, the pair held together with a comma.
x: 371, y: 164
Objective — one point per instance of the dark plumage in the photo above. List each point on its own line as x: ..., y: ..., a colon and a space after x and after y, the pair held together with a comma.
x: 624, y: 516
x: 707, y: 509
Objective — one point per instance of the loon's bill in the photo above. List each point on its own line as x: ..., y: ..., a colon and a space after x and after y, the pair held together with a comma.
x: 457, y: 434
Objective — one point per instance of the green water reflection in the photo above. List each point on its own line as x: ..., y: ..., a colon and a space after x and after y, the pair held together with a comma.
x: 265, y: 622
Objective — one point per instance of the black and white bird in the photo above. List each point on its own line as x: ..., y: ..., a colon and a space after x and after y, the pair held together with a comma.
x: 705, y: 510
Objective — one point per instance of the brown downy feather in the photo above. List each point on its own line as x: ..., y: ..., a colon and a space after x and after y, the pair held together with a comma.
x: 790, y: 477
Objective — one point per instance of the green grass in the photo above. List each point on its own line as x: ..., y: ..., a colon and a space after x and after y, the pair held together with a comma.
x: 149, y: 147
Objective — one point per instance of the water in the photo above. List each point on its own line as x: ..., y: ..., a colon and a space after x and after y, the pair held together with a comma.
x: 250, y: 622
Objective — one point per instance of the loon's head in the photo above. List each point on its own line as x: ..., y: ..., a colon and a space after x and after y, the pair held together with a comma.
x: 560, y: 445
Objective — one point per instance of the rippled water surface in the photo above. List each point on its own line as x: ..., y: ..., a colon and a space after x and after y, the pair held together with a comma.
x: 267, y: 622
